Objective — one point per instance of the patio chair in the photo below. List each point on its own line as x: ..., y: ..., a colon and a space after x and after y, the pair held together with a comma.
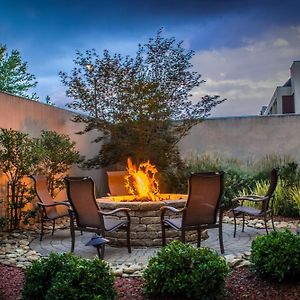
x: 50, y: 209
x: 87, y: 214
x: 116, y: 183
x: 264, y: 211
x: 201, y: 209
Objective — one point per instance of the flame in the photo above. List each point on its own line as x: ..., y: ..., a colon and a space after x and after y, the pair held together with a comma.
x: 141, y: 181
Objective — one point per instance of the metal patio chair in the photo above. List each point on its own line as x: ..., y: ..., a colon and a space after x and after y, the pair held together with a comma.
x: 86, y: 215
x: 264, y: 211
x: 202, y: 210
x: 50, y: 209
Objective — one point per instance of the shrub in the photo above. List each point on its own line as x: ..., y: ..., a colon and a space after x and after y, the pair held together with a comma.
x: 19, y: 156
x: 58, y: 155
x: 277, y: 255
x: 65, y: 276
x: 181, y: 270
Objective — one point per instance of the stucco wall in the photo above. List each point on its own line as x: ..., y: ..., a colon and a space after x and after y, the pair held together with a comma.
x: 239, y: 137
x: 245, y: 137
x: 31, y: 117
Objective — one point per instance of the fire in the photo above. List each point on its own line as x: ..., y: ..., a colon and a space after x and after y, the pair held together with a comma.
x: 141, y: 181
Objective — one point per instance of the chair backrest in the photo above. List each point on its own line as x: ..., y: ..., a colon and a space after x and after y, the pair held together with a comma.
x: 205, y: 193
x: 81, y: 195
x: 271, y: 189
x: 42, y: 192
x: 116, y: 183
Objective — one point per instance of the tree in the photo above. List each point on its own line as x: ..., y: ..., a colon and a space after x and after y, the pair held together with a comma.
x: 14, y: 77
x: 19, y: 156
x: 141, y: 106
x: 58, y: 155
x: 48, y: 101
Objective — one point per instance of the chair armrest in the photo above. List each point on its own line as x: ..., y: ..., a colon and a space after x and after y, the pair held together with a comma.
x: 66, y: 202
x: 126, y: 210
x: 253, y: 198
x: 172, y: 209
x: 53, y: 204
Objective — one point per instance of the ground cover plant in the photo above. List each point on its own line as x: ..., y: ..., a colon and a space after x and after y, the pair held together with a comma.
x: 66, y: 276
x: 186, y: 272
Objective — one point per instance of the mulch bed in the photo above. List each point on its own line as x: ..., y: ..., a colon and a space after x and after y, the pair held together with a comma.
x: 241, y: 284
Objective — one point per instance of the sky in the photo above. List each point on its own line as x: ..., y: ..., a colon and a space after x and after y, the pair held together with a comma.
x: 243, y: 49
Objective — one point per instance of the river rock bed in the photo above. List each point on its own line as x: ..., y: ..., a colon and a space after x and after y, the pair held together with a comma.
x: 15, y: 248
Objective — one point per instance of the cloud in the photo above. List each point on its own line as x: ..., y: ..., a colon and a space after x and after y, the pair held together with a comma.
x: 248, y: 75
x: 280, y: 42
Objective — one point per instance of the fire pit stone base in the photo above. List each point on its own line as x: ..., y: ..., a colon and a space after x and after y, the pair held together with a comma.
x: 145, y: 222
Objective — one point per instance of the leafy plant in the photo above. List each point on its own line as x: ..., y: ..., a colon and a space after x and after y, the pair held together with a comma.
x: 58, y: 155
x: 244, y: 178
x: 65, y: 276
x: 19, y: 156
x: 183, y: 271
x: 14, y: 77
x: 141, y: 106
x: 277, y: 255
x: 295, y: 195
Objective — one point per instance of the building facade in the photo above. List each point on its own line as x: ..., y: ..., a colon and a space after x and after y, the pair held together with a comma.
x: 286, y: 98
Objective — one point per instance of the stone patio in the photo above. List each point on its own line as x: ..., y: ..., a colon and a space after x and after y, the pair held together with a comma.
x: 61, y: 242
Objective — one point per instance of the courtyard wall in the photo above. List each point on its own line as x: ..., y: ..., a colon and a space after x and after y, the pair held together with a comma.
x: 248, y: 137
x: 31, y: 117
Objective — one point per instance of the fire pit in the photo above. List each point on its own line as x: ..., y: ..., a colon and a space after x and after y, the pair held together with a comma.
x: 144, y: 202
x: 145, y: 221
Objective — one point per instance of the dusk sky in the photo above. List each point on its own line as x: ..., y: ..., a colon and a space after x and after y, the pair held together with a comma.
x: 243, y: 49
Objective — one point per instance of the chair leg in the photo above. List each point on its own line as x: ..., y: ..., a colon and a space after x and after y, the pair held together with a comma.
x: 234, y: 218
x: 128, y: 238
x: 221, y: 238
x: 199, y: 238
x: 182, y: 235
x: 72, y: 231
x: 101, y: 251
x: 272, y: 220
x: 163, y: 234
x: 266, y: 226
x: 243, y: 228
x: 42, y: 229
x: 53, y: 226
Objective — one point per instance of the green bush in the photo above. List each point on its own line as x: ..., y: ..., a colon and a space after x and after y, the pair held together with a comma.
x: 277, y: 255
x: 65, y: 276
x: 183, y: 271
x: 244, y: 178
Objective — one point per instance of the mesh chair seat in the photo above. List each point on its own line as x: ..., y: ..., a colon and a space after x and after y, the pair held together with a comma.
x: 248, y: 210
x: 175, y: 223
x: 112, y: 224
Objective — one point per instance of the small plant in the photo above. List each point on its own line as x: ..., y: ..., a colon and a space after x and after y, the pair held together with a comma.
x: 295, y: 194
x: 277, y: 255
x: 183, y: 271
x: 65, y: 276
x: 58, y: 155
x: 19, y: 156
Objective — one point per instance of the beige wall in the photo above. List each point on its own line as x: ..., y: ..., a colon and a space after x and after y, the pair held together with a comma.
x: 245, y: 137
x: 31, y: 117
x: 239, y: 137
